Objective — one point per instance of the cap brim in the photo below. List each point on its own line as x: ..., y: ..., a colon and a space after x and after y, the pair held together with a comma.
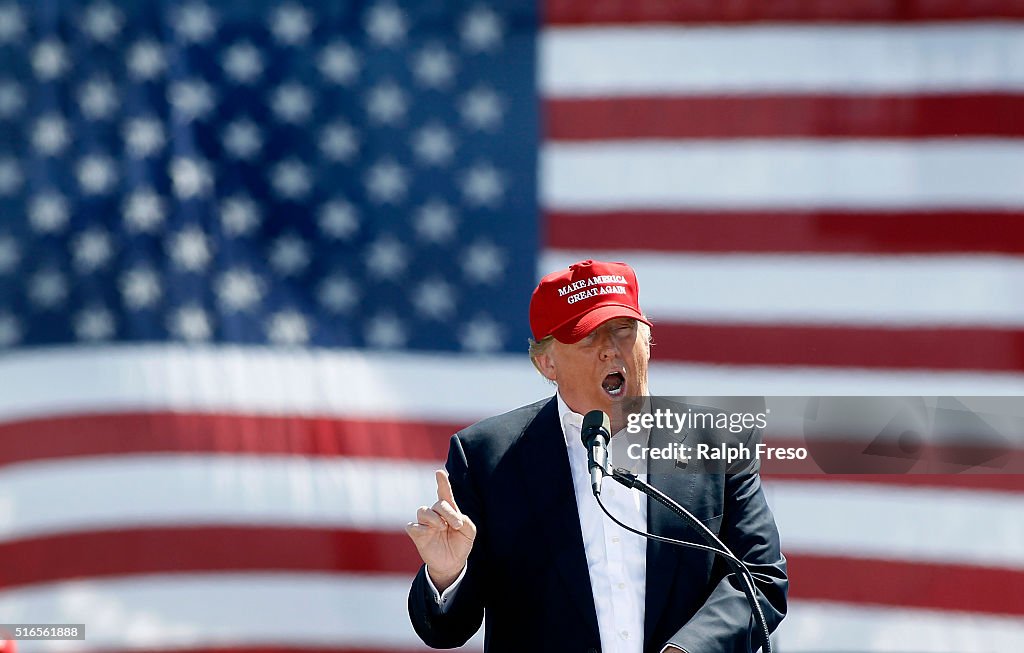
x: 579, y: 327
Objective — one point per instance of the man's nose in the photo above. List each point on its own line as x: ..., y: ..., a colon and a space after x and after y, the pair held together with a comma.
x: 608, y: 347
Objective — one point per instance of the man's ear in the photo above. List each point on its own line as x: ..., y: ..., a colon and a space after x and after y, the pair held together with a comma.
x: 546, y: 365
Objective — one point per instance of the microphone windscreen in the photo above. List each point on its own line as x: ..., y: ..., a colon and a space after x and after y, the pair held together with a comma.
x: 596, y: 419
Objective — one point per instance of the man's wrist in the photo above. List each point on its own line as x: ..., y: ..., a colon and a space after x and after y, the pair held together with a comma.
x: 443, y: 580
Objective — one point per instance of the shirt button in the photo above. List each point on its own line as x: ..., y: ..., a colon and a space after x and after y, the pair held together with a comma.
x: 615, y: 540
x: 622, y: 586
x: 624, y: 634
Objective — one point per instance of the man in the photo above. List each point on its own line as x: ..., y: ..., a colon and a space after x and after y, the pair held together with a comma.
x: 516, y: 533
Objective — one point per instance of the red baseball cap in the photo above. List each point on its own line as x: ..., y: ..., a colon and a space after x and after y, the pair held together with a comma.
x: 571, y: 303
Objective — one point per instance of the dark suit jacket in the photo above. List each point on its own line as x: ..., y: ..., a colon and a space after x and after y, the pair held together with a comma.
x: 528, y: 569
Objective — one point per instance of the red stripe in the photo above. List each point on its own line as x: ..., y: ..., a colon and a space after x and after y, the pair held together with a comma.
x: 266, y: 649
x: 785, y: 116
x: 133, y: 433
x: 962, y: 349
x: 588, y: 12
x: 946, y: 586
x: 798, y: 232
x: 906, y: 584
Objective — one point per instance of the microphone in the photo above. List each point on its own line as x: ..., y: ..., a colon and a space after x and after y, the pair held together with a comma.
x: 595, y: 433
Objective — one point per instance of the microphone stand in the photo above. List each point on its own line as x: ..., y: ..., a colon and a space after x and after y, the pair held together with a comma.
x: 715, y: 546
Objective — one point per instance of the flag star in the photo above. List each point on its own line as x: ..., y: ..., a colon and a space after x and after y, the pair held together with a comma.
x: 289, y: 255
x: 92, y: 249
x: 146, y: 60
x: 291, y: 179
x: 386, y: 24
x: 483, y: 186
x: 385, y: 331
x: 434, y: 67
x: 143, y: 210
x: 338, y: 219
x: 386, y: 258
x: 243, y: 139
x: 96, y: 174
x: 433, y: 145
x: 50, y: 60
x: 238, y: 289
x: 98, y: 99
x: 47, y: 289
x: 190, y: 177
x: 292, y: 103
x: 12, y: 23
x: 239, y: 215
x: 339, y: 142
x: 190, y: 323
x: 291, y: 24
x: 143, y: 136
x: 337, y: 293
x: 102, y: 21
x: 10, y: 330
x: 435, y: 222
x: 194, y: 22
x: 386, y: 103
x: 434, y: 299
x: 481, y: 30
x: 387, y: 182
x: 11, y: 176
x: 190, y: 249
x: 10, y: 256
x: 242, y: 62
x: 12, y: 99
x: 48, y: 213
x: 481, y: 109
x: 482, y: 262
x: 140, y: 288
x: 288, y: 327
x: 94, y: 324
x: 339, y: 63
x: 480, y: 335
x: 192, y: 99
x: 50, y: 134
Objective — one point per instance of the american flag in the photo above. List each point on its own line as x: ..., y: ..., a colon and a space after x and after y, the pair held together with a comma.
x: 258, y: 260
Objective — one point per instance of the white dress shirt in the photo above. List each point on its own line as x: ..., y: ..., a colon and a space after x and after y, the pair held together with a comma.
x: 616, y: 558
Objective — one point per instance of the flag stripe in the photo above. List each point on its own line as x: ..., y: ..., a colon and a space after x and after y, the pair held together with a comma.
x: 785, y: 116
x: 841, y: 290
x: 782, y: 174
x: 602, y: 62
x: 195, y: 550
x: 575, y: 12
x: 366, y: 494
x: 185, y: 610
x: 224, y: 433
x: 62, y: 382
x: 795, y: 231
x: 1000, y: 350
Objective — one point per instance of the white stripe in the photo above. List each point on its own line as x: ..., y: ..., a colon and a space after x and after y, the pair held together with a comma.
x: 922, y: 524
x: 588, y: 62
x: 791, y: 173
x: 812, y: 627
x: 126, y: 491
x: 258, y: 381
x: 167, y: 490
x: 255, y: 610
x: 842, y: 290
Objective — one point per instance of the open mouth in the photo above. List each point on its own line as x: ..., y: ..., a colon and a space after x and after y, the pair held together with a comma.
x: 614, y: 384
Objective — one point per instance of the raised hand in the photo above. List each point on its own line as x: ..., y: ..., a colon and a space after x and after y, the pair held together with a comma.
x: 442, y: 535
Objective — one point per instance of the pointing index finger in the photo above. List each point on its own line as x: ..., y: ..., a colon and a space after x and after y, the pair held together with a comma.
x: 444, y: 488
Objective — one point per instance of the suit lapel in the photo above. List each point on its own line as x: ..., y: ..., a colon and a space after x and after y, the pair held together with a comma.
x: 544, y: 466
x: 662, y: 558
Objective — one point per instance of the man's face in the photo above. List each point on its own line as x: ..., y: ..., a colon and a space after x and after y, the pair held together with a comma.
x: 602, y: 371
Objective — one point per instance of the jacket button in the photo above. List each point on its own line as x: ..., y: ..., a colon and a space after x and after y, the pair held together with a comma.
x: 592, y: 650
